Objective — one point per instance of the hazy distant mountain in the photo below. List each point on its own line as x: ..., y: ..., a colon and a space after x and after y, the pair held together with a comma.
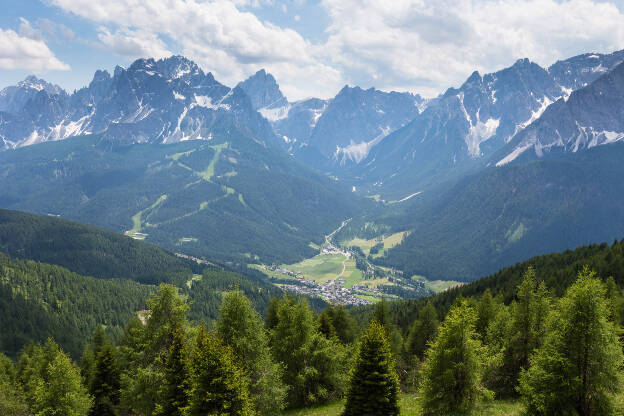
x: 592, y: 116
x: 462, y: 128
x: 164, y: 101
x: 333, y: 132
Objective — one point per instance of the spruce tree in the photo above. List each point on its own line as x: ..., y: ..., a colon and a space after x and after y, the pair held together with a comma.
x: 486, y: 311
x: 528, y: 317
x: 577, y: 370
x: 173, y: 396
x: 451, y: 373
x: 326, y: 325
x: 315, y: 367
x: 374, y: 384
x: 241, y: 328
x: 422, y: 332
x: 52, y: 382
x: 218, y: 384
x: 105, y: 384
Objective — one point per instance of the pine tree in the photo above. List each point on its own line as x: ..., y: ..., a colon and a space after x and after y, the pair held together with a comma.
x: 345, y: 326
x: 315, y: 367
x: 12, y: 400
x: 105, y: 384
x: 374, y: 384
x: 52, y: 383
x: 528, y: 317
x: 174, y: 392
x: 451, y: 373
x: 486, y: 311
x: 218, y: 384
x: 326, y: 325
x: 422, y: 332
x: 578, y: 368
x: 241, y: 328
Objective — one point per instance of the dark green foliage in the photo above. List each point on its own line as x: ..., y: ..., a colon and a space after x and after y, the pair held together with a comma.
x: 422, y: 331
x: 486, y: 311
x: 451, y: 373
x: 39, y: 301
x: 346, y: 328
x: 12, y: 399
x: 145, y: 349
x: 508, y: 214
x: 173, y: 395
x: 205, y: 295
x: 315, y: 366
x: 240, y: 327
x: 253, y: 201
x: 326, y: 326
x: 527, y: 327
x: 105, y: 384
x: 51, y: 382
x: 218, y: 384
x: 374, y: 384
x: 557, y: 271
x: 85, y: 249
x: 577, y: 371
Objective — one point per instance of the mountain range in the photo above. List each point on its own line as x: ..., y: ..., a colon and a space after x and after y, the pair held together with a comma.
x: 487, y: 173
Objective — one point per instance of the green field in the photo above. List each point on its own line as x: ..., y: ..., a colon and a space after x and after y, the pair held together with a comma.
x: 409, y: 407
x: 437, y: 286
x: 389, y: 241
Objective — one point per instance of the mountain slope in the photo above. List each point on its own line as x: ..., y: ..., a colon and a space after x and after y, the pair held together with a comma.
x: 503, y: 215
x: 229, y: 198
x: 592, y: 116
x: 85, y: 249
x: 557, y: 270
x: 463, y: 128
x: 163, y: 101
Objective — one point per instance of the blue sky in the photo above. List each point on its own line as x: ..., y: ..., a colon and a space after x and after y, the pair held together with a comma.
x: 312, y: 47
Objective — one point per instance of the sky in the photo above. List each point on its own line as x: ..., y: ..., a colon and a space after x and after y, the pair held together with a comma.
x: 312, y: 47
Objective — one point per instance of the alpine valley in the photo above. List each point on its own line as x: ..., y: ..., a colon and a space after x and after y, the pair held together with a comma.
x: 509, y: 165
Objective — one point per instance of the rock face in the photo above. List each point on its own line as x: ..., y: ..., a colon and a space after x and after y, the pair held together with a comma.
x: 465, y: 126
x: 336, y: 132
x: 164, y: 101
x: 591, y: 116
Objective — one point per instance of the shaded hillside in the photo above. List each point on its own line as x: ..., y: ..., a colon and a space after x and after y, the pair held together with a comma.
x: 85, y: 249
x: 504, y: 215
x: 557, y: 270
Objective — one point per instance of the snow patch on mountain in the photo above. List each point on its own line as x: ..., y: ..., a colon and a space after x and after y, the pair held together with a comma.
x: 275, y: 114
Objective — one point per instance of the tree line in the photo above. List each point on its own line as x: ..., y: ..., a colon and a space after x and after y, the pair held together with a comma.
x: 558, y: 355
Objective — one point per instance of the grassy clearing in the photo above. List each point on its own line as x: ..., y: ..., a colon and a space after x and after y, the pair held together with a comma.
x: 137, y: 219
x: 388, y: 241
x: 209, y: 172
x: 319, y: 268
x: 437, y: 286
x: 409, y: 407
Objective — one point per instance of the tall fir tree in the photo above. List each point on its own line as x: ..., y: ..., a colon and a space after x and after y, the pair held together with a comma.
x: 374, y: 383
x: 315, y: 367
x: 241, y: 328
x: 451, y: 373
x: 105, y: 384
x: 577, y: 371
x: 528, y: 317
x: 422, y: 331
x: 52, y: 382
x: 218, y: 383
x: 173, y: 396
x: 326, y: 326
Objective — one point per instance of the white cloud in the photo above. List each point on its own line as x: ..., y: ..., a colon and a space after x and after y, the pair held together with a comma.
x: 419, y: 45
x: 223, y: 39
x: 21, y: 52
x: 133, y: 43
x: 428, y: 45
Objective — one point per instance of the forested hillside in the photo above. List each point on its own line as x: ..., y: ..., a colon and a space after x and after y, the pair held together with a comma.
x: 85, y: 249
x: 557, y: 270
x: 500, y: 216
x: 39, y: 300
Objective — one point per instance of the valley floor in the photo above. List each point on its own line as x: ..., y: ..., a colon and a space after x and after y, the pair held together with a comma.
x: 409, y: 408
